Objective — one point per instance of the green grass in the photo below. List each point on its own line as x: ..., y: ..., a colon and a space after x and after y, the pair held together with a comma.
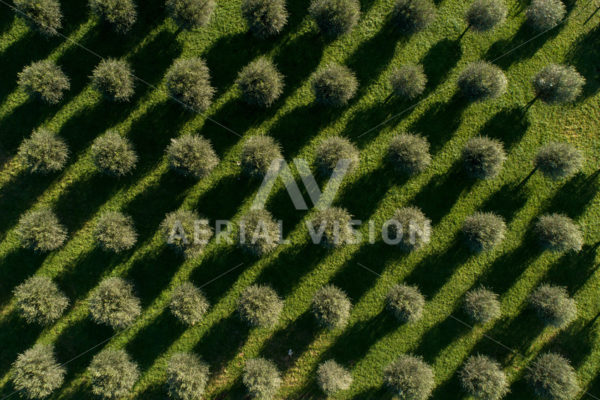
x: 444, y: 270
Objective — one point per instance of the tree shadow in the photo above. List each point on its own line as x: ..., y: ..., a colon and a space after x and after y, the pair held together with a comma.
x: 505, y: 202
x: 224, y: 199
x: 439, y: 61
x: 576, y: 341
x: 438, y: 338
x: 15, y: 267
x: 585, y: 56
x: 16, y: 336
x: 573, y: 198
x: 508, y: 126
x: 574, y: 269
x: 19, y: 124
x: 375, y: 393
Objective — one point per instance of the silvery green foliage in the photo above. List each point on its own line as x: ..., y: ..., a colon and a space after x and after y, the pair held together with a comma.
x: 113, y: 303
x: 409, y: 377
x: 412, y: 16
x: 409, y: 81
x: 40, y: 301
x: 335, y: 17
x: 413, y: 227
x: 261, y: 378
x: 481, y: 80
x: 545, y: 14
x: 483, y: 157
x: 558, y: 160
x: 261, y: 233
x: 44, y: 152
x: 36, y: 374
x: 557, y: 84
x: 405, y: 302
x: 552, y: 377
x: 115, y: 232
x: 43, y: 15
x: 484, y: 15
x: 331, y: 307
x: 187, y: 376
x: 120, y: 14
x: 45, y: 80
x: 336, y: 225
x: 557, y: 232
x: 258, y: 152
x: 188, y: 80
x: 189, y: 14
x: 260, y: 306
x: 409, y: 153
x: 333, y: 378
x: 260, y: 82
x: 114, y: 79
x: 40, y: 230
x: 484, y: 379
x: 483, y: 230
x: 334, y: 85
x: 265, y: 18
x: 333, y: 150
x: 553, y: 305
x: 192, y: 155
x: 113, y: 374
x: 113, y: 154
x: 180, y: 233
x: 188, y: 304
x: 482, y: 305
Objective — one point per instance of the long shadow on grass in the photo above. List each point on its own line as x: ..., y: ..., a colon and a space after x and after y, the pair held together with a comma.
x: 576, y: 342
x: 438, y: 338
x: 17, y: 336
x: 573, y: 198
x: 585, y: 56
x: 224, y: 199
x: 439, y: 61
x: 19, y: 124
x: 508, y: 125
x: 505, y: 202
x: 15, y: 267
x: 574, y: 269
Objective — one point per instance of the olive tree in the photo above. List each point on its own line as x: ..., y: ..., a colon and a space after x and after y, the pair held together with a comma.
x: 43, y: 15
x: 335, y: 17
x: 113, y: 154
x: 543, y: 15
x: 484, y: 379
x: 192, y: 155
x: 484, y: 15
x: 557, y: 84
x: 40, y: 301
x: 188, y: 80
x: 333, y: 378
x: 260, y: 306
x: 36, y: 374
x: 409, y: 153
x: 331, y: 227
x: 483, y: 157
x: 412, y: 16
x: 115, y: 232
x: 409, y: 377
x: 405, y: 302
x: 333, y: 150
x: 187, y: 376
x: 258, y: 153
x: 43, y: 152
x: 265, y: 18
x: 553, y: 305
x: 259, y: 232
x: 186, y: 232
x: 482, y: 305
x: 40, y: 230
x: 261, y: 379
x: 112, y: 374
x: 44, y: 80
x: 260, y: 83
x: 188, y: 304
x: 483, y: 230
x: 331, y: 307
x: 114, y: 79
x: 410, y: 228
x: 408, y: 82
x: 552, y: 377
x: 120, y: 14
x: 557, y: 232
x: 334, y: 85
x: 558, y: 160
x: 189, y: 14
x: 481, y: 80
x: 113, y: 303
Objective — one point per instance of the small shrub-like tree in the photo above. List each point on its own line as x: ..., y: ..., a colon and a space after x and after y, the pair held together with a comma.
x: 558, y: 160
x: 334, y: 85
x: 558, y: 84
x: 335, y: 225
x: 558, y: 232
x: 258, y: 153
x: 113, y: 303
x: 483, y: 378
x: 333, y: 378
x: 335, y: 17
x: 185, y: 233
x: 553, y: 305
x: 188, y: 304
x: 120, y: 14
x: 187, y: 376
x: 483, y: 157
x: 412, y: 16
x: 188, y: 80
x: 40, y: 301
x: 189, y: 14
x: 192, y: 155
x: 333, y: 150
x: 40, y: 230
x: 265, y: 18
x: 259, y: 233
x: 260, y: 306
x: 552, y: 377
x: 408, y: 82
x: 45, y: 80
x: 115, y: 232
x: 409, y: 154
x: 481, y: 80
x: 405, y: 302
x: 484, y: 15
x: 409, y: 377
x: 113, y: 154
x: 261, y: 378
x: 114, y: 79
x: 545, y: 14
x: 44, y: 152
x: 483, y: 230
x: 113, y: 374
x: 482, y: 305
x: 44, y: 15
x: 260, y: 82
x: 412, y: 229
x: 331, y: 307
x: 36, y: 374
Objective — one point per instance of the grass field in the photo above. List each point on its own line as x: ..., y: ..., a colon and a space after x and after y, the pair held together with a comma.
x: 444, y: 270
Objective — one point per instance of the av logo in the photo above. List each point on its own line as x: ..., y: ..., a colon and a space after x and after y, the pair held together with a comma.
x: 320, y: 200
